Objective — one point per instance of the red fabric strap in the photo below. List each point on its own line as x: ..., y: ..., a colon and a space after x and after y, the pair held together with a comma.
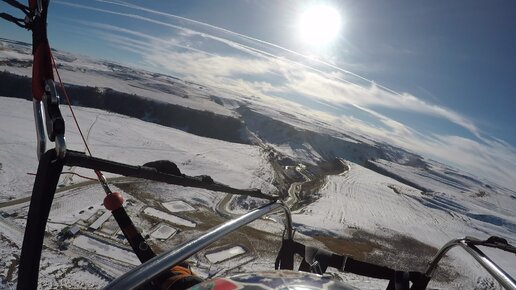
x: 42, y: 64
x: 41, y: 69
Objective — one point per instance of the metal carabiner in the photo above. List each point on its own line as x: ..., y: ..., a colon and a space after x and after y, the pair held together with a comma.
x: 54, y: 120
x: 40, y: 127
x: 48, y: 118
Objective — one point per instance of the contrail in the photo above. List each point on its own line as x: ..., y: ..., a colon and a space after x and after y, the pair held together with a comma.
x: 236, y: 45
x: 439, y: 111
x: 137, y: 7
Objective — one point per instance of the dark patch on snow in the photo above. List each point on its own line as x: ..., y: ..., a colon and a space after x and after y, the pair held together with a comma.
x: 494, y: 220
x: 373, y: 166
x: 448, y: 206
x: 216, y: 100
x: 443, y: 203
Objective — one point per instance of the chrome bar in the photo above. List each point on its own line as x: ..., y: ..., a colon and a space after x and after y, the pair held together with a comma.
x: 145, y: 273
x: 440, y: 254
x: 289, y: 232
x: 60, y: 146
x: 498, y: 273
x: 41, y: 139
x: 51, y: 100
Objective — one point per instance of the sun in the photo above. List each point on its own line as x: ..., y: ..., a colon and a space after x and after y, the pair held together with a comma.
x: 319, y: 25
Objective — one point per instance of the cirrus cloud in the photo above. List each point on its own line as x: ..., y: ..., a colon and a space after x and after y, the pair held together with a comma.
x: 278, y: 76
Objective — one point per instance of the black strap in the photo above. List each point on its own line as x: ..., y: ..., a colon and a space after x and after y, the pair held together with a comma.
x: 137, y: 242
x: 368, y: 269
x: 285, y: 258
x: 47, y: 177
x: 74, y: 158
x: 493, y: 242
x: 318, y: 260
x: 18, y: 5
x: 18, y: 21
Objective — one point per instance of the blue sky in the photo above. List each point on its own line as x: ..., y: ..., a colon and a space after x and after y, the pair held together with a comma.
x: 435, y: 77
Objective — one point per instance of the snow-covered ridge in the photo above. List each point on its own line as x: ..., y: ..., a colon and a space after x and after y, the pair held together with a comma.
x: 229, y: 116
x: 16, y: 57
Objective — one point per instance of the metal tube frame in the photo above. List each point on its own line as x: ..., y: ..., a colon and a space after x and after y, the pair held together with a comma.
x: 498, y: 273
x: 146, y: 272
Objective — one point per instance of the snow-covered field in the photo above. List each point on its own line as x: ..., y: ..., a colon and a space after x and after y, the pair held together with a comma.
x: 106, y: 250
x: 163, y: 232
x: 359, y: 199
x: 362, y: 199
x: 123, y: 139
x: 177, y: 206
x: 225, y: 254
x: 168, y: 217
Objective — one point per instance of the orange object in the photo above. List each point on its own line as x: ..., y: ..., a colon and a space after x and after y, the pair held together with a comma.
x: 113, y: 201
x: 178, y: 279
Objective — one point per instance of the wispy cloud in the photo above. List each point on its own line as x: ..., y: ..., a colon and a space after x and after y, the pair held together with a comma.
x: 316, y: 84
x: 246, y: 62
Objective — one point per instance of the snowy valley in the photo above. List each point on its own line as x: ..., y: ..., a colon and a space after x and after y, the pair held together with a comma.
x: 348, y: 192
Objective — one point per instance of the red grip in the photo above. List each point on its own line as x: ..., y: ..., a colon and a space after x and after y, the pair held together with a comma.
x: 41, y: 70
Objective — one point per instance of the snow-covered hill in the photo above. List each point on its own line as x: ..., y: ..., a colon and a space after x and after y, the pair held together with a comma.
x: 388, y: 201
x: 117, y: 138
x: 127, y: 140
x: 206, y: 111
x: 363, y: 200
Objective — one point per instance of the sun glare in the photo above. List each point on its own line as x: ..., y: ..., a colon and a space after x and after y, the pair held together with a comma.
x: 319, y: 25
